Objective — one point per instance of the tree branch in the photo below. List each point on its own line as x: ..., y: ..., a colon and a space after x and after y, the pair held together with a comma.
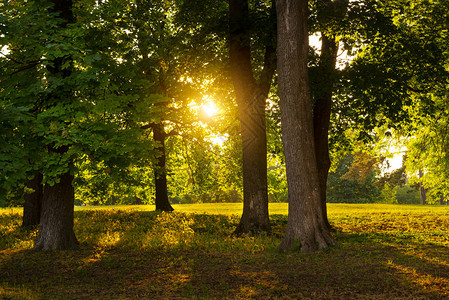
x: 415, y: 90
x: 148, y: 126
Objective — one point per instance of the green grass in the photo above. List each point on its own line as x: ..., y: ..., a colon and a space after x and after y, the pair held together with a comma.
x: 383, y: 252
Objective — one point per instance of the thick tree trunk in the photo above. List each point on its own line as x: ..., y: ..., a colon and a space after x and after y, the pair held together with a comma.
x: 251, y: 99
x: 160, y: 172
x: 321, y: 115
x: 33, y: 202
x: 305, y: 217
x: 56, y: 226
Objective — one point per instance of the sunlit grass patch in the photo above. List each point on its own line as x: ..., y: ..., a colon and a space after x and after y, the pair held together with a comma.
x: 383, y: 252
x: 12, y: 235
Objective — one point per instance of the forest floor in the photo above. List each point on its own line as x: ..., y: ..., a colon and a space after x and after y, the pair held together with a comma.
x: 383, y: 252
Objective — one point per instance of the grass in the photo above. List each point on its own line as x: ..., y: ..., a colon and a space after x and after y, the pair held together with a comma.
x: 384, y: 252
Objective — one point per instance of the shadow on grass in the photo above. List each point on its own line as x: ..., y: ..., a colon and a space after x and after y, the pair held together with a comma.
x: 362, y: 266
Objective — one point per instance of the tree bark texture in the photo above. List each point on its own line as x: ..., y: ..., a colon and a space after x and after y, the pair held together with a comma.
x: 33, y: 201
x: 322, y: 113
x: 160, y: 171
x: 56, y: 226
x: 306, y: 226
x: 251, y: 97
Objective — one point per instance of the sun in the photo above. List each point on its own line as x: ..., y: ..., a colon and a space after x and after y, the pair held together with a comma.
x: 209, y: 107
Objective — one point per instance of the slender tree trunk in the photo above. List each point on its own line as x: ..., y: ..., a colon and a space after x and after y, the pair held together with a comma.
x: 323, y: 94
x: 321, y: 115
x: 305, y: 217
x: 33, y: 201
x: 160, y: 172
x: 56, y: 226
x: 422, y: 190
x: 251, y: 97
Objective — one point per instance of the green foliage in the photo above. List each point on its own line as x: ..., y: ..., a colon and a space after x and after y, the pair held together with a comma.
x: 89, y: 88
x: 407, y: 195
x: 277, y: 180
x: 357, y: 188
x: 388, y: 194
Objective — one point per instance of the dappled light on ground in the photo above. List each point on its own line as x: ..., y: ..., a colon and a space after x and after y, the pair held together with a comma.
x: 142, y: 254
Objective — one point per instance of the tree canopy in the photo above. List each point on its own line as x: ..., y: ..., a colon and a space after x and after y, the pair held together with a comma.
x: 152, y: 102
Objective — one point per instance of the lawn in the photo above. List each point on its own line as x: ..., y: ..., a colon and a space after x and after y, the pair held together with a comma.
x: 383, y: 252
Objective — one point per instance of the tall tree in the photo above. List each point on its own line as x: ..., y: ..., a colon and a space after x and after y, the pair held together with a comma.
x: 58, y: 199
x: 328, y: 13
x: 169, y: 54
x: 150, y: 27
x: 322, y: 112
x: 251, y: 95
x: 305, y: 217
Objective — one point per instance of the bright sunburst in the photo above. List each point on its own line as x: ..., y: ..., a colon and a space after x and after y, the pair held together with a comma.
x: 209, y: 107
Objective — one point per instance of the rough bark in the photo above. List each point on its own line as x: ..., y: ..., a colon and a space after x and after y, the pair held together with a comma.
x: 160, y: 171
x: 33, y: 202
x: 251, y: 97
x: 56, y: 225
x: 321, y: 114
x: 305, y: 225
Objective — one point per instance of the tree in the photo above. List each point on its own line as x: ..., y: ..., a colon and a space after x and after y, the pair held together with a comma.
x: 251, y: 96
x: 305, y: 217
x: 160, y: 170
x: 70, y: 100
x: 58, y: 200
x: 170, y: 54
x: 328, y: 12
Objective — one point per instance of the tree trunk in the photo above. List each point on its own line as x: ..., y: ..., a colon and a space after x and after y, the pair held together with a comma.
x: 56, y: 226
x: 305, y: 216
x: 255, y: 216
x: 422, y: 190
x: 33, y: 201
x: 321, y: 115
x: 160, y: 172
x: 251, y: 97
